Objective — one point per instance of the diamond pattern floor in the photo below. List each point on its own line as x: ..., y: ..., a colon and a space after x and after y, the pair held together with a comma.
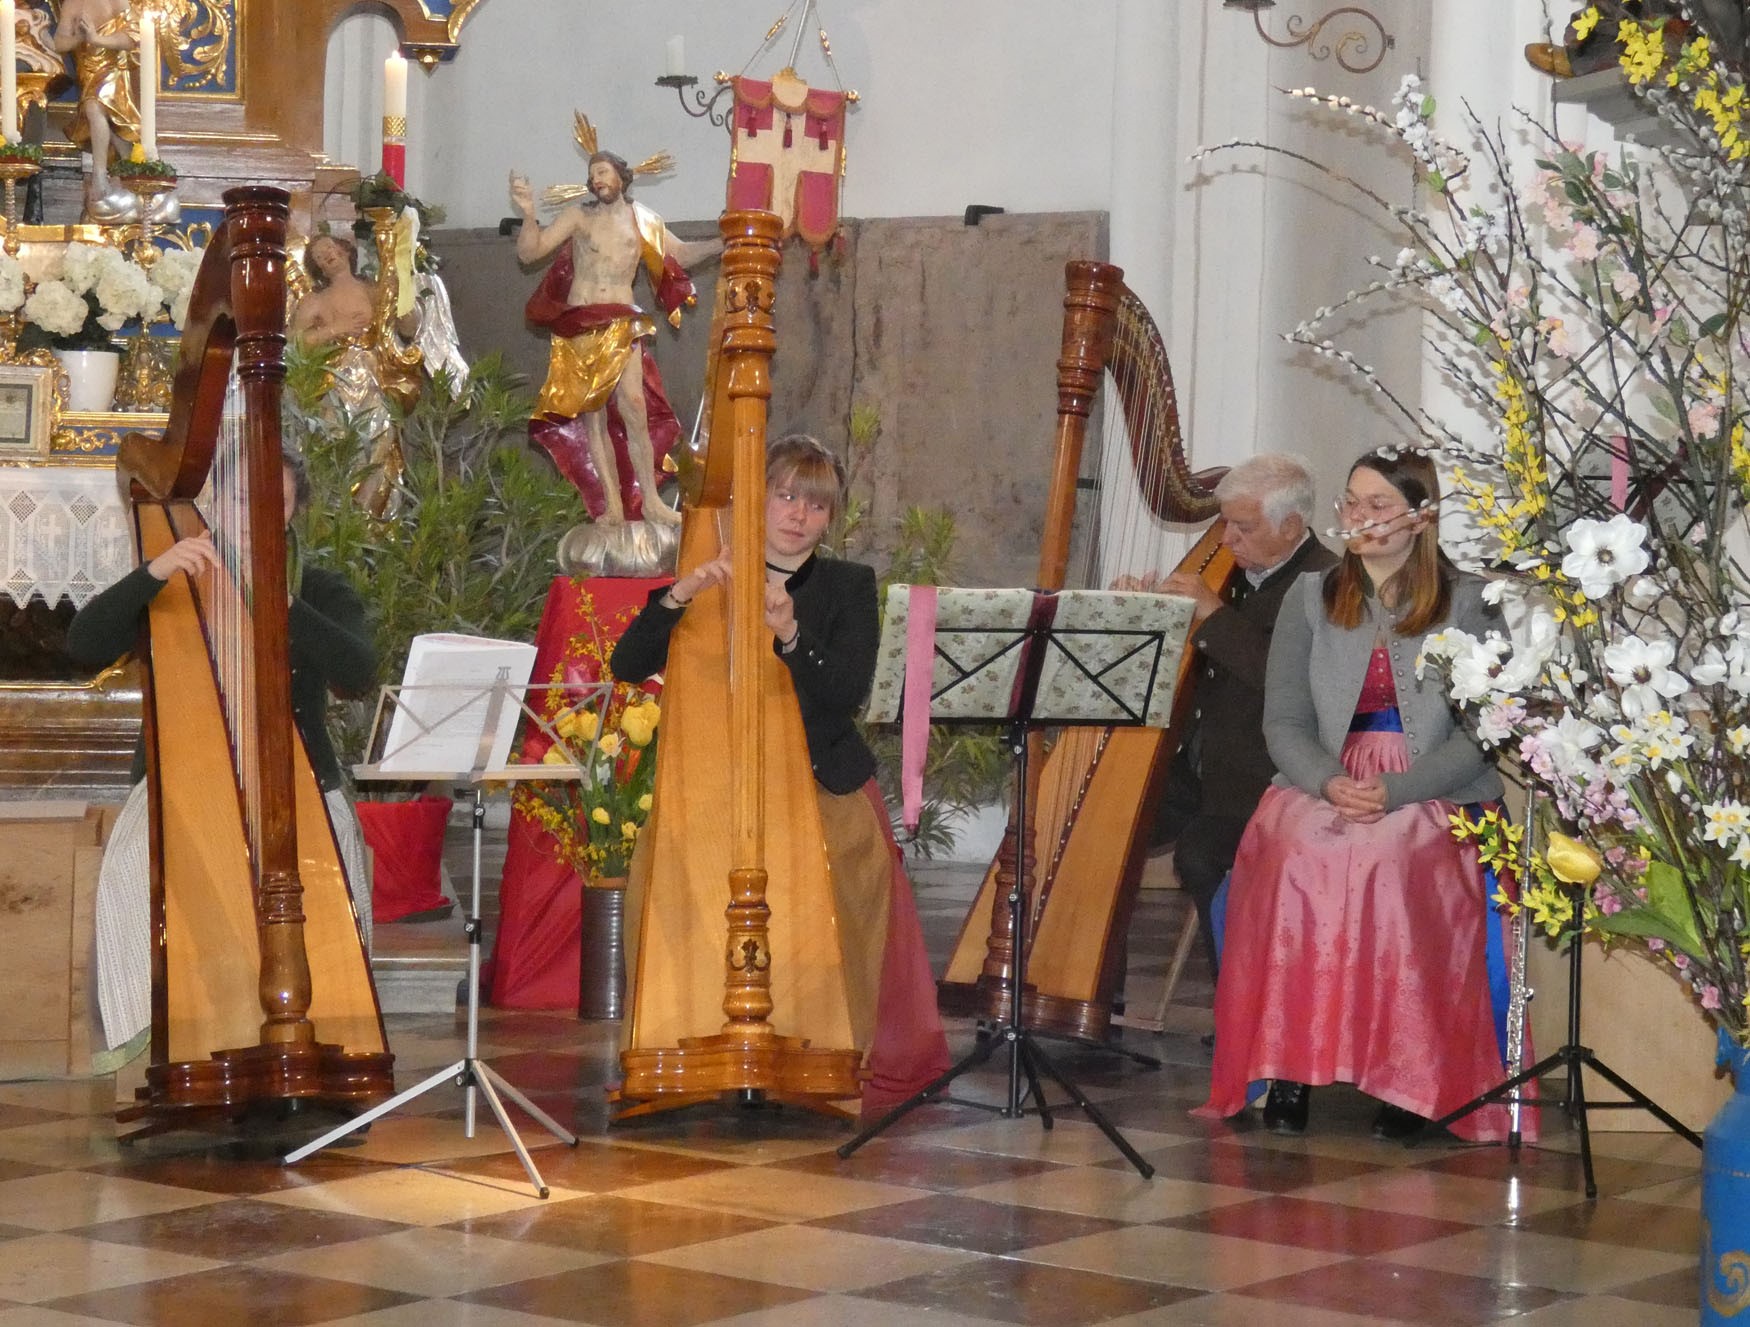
x: 747, y: 1216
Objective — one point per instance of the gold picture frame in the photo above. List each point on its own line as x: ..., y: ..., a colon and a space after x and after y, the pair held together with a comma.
x: 28, y: 409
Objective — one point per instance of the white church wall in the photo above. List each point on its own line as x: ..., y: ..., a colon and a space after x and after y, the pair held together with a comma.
x: 1006, y: 102
x: 1031, y: 105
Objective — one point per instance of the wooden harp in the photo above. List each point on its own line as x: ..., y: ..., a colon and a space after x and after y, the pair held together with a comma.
x: 261, y: 990
x: 747, y: 997
x: 1097, y: 788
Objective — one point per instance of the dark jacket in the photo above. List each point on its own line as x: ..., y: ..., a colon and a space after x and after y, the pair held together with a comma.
x: 1234, y: 645
x: 330, y: 647
x: 832, y: 665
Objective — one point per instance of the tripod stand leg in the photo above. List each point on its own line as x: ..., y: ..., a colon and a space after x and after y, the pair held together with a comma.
x: 1023, y: 1051
x: 1640, y: 1098
x: 534, y: 1112
x: 1092, y: 1111
x: 1576, y: 1107
x: 981, y: 1051
x: 485, y: 1076
x: 358, y: 1122
x: 1433, y: 1127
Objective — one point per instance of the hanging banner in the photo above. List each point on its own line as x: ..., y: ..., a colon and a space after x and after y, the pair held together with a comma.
x: 787, y: 154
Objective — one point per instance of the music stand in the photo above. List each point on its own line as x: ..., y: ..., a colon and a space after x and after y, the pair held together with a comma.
x: 1077, y: 657
x: 479, y: 709
x: 1571, y: 1056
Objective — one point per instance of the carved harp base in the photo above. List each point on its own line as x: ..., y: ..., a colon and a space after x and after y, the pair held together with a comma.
x: 988, y: 1001
x: 231, y: 1080
x: 783, y: 1069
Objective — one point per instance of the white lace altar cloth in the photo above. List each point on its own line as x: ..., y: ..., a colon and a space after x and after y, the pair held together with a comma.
x: 64, y: 532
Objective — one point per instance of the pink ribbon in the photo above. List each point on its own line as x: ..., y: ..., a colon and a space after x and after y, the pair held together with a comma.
x: 1619, y: 472
x: 920, y: 668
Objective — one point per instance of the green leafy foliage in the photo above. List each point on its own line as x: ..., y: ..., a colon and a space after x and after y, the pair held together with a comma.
x: 474, y: 518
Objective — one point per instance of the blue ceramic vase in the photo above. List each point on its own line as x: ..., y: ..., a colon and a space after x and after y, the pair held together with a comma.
x: 1725, y: 1200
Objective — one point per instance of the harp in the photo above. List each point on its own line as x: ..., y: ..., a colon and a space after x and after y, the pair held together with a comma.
x: 1097, y: 788
x: 260, y: 986
x: 748, y: 996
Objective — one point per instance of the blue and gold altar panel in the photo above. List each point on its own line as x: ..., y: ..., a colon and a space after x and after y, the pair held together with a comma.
x: 92, y: 439
x: 205, y: 58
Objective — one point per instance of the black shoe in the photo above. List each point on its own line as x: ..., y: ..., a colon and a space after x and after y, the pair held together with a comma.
x: 1394, y: 1124
x: 1285, y: 1110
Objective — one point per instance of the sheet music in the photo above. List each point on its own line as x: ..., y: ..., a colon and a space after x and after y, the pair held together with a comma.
x: 445, y: 697
x: 978, y: 656
x: 1111, y: 655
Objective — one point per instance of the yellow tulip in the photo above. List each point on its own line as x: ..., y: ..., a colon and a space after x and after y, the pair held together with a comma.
x: 628, y: 830
x: 556, y: 755
x: 639, y: 723
x: 600, y: 816
x: 610, y: 745
x: 644, y: 802
x: 1573, y: 862
x: 578, y: 725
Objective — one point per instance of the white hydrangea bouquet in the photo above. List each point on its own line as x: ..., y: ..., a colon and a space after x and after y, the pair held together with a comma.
x: 82, y: 296
x: 1594, y: 312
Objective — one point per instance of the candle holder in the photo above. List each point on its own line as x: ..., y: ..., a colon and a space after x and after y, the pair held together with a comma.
x: 154, y: 215
x: 12, y: 170
x: 683, y: 83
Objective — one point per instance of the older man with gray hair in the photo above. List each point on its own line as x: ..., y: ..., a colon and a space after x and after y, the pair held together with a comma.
x: 1222, y: 767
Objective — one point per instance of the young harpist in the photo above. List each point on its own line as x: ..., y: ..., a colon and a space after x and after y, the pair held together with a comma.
x: 822, y: 615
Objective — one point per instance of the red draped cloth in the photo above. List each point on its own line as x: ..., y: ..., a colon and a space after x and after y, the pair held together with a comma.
x: 534, y: 963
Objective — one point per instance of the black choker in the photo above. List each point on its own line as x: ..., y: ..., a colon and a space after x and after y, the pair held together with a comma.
x: 782, y: 571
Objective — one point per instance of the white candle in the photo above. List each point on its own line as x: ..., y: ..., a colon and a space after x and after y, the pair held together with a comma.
x: 677, y: 56
x: 9, y: 70
x: 395, y: 85
x: 149, y: 84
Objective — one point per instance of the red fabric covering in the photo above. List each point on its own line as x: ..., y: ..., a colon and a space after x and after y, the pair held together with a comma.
x: 407, y: 847
x: 567, y: 440
x: 534, y: 963
x: 909, y: 1047
x: 1356, y: 953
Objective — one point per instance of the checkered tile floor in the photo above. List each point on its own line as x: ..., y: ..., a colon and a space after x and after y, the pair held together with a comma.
x: 747, y: 1216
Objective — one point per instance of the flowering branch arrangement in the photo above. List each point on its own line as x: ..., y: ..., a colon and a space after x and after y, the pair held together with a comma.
x: 1593, y: 312
x: 594, y: 821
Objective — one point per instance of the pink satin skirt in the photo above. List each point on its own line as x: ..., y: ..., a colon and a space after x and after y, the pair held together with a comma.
x: 1358, y: 954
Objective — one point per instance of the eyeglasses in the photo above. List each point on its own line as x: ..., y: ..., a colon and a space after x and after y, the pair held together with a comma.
x: 1374, y: 509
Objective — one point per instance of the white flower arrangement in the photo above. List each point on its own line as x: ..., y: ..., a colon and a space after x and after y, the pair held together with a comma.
x: 87, y: 292
x: 1597, y: 315
x: 12, y: 287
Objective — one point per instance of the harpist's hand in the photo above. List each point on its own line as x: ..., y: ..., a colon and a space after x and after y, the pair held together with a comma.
x: 1192, y: 587
x: 191, y: 556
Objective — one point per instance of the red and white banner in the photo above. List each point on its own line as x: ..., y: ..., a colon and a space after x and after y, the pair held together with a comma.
x: 788, y: 155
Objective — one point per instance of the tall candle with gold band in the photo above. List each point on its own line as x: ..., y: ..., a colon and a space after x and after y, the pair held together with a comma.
x: 9, y: 70
x: 395, y: 118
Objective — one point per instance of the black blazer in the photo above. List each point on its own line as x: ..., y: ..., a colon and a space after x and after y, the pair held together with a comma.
x: 832, y: 664
x: 1234, y: 643
x: 329, y: 649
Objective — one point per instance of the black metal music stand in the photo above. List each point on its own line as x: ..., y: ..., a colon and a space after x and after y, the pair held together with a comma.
x: 470, y: 1073
x: 1027, y: 650
x: 1572, y: 1056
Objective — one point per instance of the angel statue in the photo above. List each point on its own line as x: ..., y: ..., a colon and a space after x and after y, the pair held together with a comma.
x: 101, y: 36
x: 602, y: 414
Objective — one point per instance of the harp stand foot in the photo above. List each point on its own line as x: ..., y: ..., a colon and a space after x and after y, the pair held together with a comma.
x: 1027, y: 1058
x: 470, y: 1073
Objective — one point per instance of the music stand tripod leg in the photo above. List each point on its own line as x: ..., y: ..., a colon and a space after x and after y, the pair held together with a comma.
x: 980, y: 1052
x: 1089, y: 1109
x: 357, y: 1122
